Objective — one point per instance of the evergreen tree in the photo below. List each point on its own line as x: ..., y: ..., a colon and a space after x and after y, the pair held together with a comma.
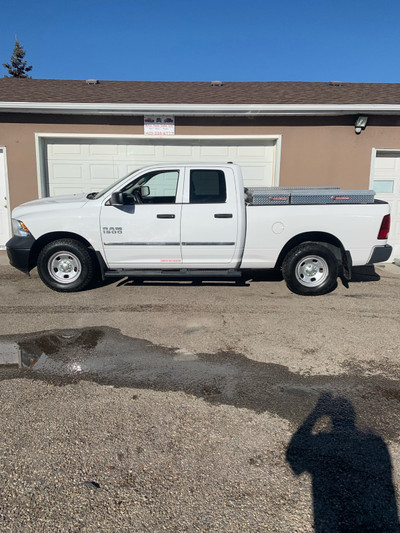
x: 17, y: 66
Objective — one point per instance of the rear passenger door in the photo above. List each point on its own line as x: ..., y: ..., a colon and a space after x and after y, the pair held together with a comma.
x: 209, y: 228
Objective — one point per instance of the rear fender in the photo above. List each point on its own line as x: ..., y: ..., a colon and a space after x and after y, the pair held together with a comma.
x: 325, y: 239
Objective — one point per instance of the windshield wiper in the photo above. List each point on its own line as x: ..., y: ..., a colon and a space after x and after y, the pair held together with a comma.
x: 91, y: 195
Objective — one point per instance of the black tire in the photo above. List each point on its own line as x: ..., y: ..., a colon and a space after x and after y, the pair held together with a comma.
x: 310, y: 269
x: 65, y: 265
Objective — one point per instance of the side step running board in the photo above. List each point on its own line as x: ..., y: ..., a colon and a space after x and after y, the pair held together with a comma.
x: 182, y: 275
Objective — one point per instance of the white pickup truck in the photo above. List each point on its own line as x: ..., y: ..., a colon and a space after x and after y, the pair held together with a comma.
x: 197, y: 222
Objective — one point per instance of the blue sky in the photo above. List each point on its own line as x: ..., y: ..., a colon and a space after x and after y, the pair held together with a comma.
x: 229, y: 40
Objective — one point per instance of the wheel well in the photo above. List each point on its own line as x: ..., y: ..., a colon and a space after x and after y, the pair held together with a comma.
x: 50, y: 237
x: 326, y: 239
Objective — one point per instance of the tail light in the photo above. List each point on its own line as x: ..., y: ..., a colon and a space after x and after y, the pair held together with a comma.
x: 385, y: 227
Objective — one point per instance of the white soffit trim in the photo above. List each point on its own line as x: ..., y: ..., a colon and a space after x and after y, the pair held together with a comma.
x: 200, y: 110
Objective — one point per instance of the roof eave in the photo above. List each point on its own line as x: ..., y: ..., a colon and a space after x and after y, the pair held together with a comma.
x: 199, y: 109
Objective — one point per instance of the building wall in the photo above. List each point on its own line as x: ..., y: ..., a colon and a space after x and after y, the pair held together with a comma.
x: 315, y: 150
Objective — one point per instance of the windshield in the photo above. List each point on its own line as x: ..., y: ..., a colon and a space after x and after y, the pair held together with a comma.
x: 114, y: 184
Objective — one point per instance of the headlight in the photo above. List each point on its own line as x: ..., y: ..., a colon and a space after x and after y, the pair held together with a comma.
x: 19, y: 228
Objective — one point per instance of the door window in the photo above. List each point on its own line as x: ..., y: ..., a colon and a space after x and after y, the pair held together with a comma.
x: 207, y: 187
x: 160, y: 188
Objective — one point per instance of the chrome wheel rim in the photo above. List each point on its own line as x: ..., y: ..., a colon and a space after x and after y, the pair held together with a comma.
x: 312, y: 271
x: 64, y: 267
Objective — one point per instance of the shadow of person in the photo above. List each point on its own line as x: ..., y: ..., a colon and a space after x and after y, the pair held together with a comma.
x: 351, y: 471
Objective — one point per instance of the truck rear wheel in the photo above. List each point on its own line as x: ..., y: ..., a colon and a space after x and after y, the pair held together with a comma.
x: 65, y: 265
x: 310, y: 269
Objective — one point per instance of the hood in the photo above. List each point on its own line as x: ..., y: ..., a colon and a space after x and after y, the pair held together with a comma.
x: 64, y: 199
x: 53, y: 202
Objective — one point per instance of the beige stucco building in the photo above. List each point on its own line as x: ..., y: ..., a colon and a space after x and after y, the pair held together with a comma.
x: 64, y: 136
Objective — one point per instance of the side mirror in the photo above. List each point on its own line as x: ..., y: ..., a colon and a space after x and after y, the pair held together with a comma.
x: 144, y: 191
x: 117, y: 198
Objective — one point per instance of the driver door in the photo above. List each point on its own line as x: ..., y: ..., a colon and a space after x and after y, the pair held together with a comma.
x: 145, y: 231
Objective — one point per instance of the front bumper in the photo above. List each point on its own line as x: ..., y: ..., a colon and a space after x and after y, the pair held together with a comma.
x: 380, y: 254
x: 19, y: 252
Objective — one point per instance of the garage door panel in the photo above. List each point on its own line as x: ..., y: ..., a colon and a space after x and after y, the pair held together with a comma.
x: 140, y: 150
x: 67, y: 170
x: 179, y: 151
x: 102, y: 171
x: 214, y: 151
x: 255, y: 152
x: 59, y: 190
x: 384, y: 163
x: 57, y: 149
x: 79, y: 151
x: 257, y: 175
x: 103, y: 149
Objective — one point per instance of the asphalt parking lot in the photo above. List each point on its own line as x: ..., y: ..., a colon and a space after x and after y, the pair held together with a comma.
x: 222, y: 408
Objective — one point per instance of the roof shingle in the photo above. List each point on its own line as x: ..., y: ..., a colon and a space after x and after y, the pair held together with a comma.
x: 197, y: 93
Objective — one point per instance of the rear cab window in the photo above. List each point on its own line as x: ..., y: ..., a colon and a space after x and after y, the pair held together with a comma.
x: 207, y: 186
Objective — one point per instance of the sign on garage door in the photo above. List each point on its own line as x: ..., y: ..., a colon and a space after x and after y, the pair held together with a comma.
x: 86, y: 165
x: 386, y: 183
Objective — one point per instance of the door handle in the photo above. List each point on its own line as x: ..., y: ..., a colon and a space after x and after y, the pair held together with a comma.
x: 223, y: 215
x: 165, y: 216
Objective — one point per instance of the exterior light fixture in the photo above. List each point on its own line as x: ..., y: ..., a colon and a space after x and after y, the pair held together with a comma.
x: 361, y: 124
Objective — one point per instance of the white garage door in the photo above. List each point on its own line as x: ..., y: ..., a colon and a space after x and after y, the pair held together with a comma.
x: 85, y: 165
x: 386, y: 183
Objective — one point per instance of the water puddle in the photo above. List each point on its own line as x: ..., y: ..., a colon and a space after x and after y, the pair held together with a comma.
x: 106, y: 356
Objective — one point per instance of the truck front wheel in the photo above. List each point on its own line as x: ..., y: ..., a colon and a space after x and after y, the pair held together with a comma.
x: 65, y: 265
x: 310, y: 269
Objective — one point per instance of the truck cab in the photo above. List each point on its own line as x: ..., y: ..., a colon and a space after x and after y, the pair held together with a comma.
x: 178, y: 215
